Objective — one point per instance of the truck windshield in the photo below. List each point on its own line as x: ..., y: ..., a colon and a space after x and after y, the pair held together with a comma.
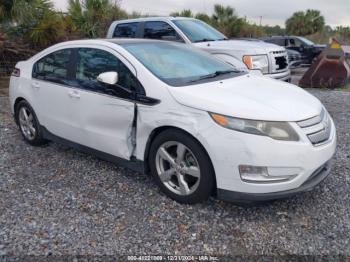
x: 198, y: 31
x: 306, y: 41
x: 180, y: 65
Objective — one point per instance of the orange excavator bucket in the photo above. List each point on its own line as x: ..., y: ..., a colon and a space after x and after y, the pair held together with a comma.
x: 330, y: 69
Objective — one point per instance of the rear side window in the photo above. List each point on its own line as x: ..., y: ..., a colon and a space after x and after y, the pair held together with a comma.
x: 126, y: 30
x: 280, y: 41
x: 92, y: 62
x: 53, y: 67
x: 160, y: 30
x: 276, y: 41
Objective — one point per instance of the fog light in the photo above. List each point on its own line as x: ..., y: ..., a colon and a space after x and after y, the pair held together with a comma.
x: 260, y: 174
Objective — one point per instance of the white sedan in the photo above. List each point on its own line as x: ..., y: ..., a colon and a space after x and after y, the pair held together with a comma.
x: 198, y: 125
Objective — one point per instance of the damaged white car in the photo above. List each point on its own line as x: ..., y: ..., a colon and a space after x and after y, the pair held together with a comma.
x: 198, y: 125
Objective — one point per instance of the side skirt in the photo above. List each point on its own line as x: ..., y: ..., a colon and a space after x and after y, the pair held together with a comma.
x: 135, y: 165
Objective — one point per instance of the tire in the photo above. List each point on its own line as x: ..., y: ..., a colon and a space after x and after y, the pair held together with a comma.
x: 28, y: 124
x: 176, y: 159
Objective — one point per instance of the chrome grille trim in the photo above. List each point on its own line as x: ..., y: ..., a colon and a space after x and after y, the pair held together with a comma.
x: 275, y: 56
x: 312, y: 121
x: 318, y: 129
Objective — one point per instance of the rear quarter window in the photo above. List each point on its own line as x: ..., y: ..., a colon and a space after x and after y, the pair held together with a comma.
x: 127, y: 30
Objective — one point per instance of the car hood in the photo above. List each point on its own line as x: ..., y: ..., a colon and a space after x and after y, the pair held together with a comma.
x: 250, y: 97
x: 250, y: 47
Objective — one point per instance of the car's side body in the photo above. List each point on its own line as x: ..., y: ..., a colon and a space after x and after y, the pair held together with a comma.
x: 97, y: 126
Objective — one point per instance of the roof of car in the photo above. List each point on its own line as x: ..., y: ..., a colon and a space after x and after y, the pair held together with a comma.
x: 118, y: 41
x: 152, y: 18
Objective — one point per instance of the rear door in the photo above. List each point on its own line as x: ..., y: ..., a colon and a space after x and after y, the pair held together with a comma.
x: 105, y: 112
x: 55, y: 101
x: 160, y: 30
x: 127, y: 30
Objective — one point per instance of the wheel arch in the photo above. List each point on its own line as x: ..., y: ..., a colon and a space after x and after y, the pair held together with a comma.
x: 17, y: 101
x: 161, y: 129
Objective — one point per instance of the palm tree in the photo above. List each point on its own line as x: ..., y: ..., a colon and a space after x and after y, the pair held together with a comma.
x: 226, y: 20
x: 305, y: 23
x: 92, y: 17
x: 183, y: 13
x: 32, y: 20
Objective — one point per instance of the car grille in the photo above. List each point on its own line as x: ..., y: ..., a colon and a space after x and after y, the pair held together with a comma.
x: 318, y: 129
x: 292, y: 58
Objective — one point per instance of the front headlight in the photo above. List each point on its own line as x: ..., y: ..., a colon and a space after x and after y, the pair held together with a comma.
x: 257, y: 62
x: 275, y: 130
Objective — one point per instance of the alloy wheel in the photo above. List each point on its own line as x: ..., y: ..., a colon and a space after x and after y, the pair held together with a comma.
x: 26, y: 123
x: 178, y: 168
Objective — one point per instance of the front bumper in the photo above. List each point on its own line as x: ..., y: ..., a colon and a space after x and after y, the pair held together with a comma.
x: 283, y: 76
x: 229, y: 149
x: 316, y: 178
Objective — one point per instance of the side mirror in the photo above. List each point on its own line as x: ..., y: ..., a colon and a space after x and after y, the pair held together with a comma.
x: 110, y: 78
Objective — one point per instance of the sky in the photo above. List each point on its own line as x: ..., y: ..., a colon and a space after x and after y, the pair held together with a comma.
x: 273, y: 12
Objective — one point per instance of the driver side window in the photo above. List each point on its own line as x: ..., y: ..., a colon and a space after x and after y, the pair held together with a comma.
x: 92, y: 62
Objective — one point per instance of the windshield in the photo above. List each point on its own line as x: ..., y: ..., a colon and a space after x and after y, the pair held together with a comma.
x: 198, y: 31
x: 179, y: 64
x: 306, y: 41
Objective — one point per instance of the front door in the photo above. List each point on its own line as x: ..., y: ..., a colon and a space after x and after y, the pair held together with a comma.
x: 105, y: 112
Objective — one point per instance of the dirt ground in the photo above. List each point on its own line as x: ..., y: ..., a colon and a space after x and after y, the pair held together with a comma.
x: 4, y: 84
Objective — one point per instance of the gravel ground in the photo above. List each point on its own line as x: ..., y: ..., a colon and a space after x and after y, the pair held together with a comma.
x: 55, y: 200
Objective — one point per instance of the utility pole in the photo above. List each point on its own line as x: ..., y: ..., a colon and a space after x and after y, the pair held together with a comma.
x: 261, y: 20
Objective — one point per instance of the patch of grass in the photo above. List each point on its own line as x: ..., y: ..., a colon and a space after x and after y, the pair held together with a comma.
x: 344, y: 89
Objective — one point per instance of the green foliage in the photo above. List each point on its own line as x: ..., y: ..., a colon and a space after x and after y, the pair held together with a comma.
x: 274, y: 30
x: 305, y: 23
x: 91, y: 18
x: 204, y: 17
x: 183, y: 13
x: 49, y: 29
x: 34, y: 21
x: 226, y: 20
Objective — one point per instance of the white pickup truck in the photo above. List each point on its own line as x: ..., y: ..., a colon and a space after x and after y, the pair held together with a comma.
x: 259, y: 57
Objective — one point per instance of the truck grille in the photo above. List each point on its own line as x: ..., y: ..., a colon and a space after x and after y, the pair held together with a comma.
x: 318, y: 129
x: 279, y: 61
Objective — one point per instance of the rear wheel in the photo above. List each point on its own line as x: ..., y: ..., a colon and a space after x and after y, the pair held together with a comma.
x: 28, y: 124
x: 181, y: 167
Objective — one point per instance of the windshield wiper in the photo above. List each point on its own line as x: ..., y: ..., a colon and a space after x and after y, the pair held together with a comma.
x: 215, y: 74
x: 204, y: 40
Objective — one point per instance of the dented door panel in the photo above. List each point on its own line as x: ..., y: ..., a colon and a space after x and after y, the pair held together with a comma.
x: 106, y: 123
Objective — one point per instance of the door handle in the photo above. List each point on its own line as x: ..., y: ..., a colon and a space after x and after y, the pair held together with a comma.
x: 35, y: 85
x: 74, y: 94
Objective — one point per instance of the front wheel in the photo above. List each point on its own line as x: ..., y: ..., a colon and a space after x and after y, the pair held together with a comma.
x: 181, y: 167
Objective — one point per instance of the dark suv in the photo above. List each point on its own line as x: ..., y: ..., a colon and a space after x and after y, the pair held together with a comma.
x: 305, y: 47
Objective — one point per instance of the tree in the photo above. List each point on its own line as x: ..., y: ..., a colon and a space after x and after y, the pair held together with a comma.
x: 183, y: 13
x: 226, y: 20
x: 204, y: 17
x: 305, y: 23
x: 93, y: 17
x: 6, y: 10
x: 33, y: 20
